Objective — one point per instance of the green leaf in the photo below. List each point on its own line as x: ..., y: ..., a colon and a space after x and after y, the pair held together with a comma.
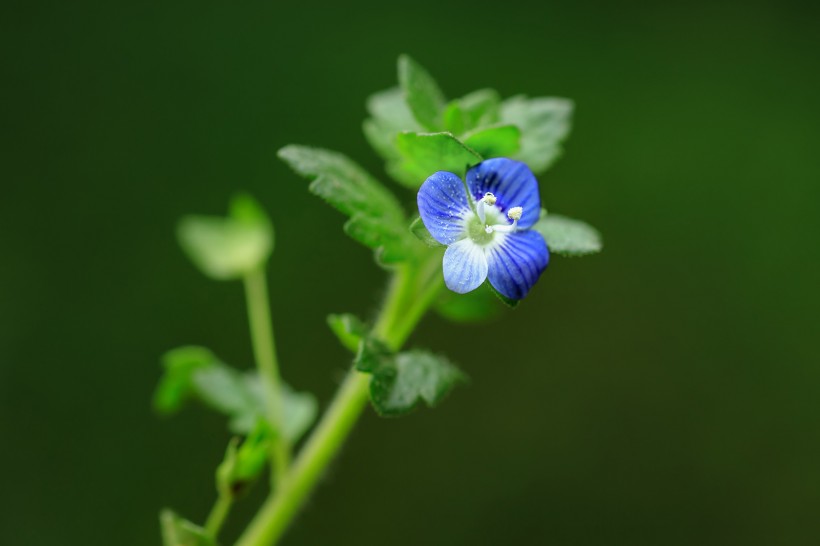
x: 241, y: 396
x: 426, y: 153
x: 348, y: 329
x: 244, y: 461
x: 177, y: 531
x: 415, y: 376
x: 402, y: 381
x: 568, y: 237
x: 480, y: 305
x: 175, y: 386
x: 196, y: 373
x: 477, y: 109
x: 421, y: 232
x: 229, y: 247
x: 390, y: 115
x: 376, y: 218
x: 496, y: 141
x: 544, y: 124
x: 421, y: 92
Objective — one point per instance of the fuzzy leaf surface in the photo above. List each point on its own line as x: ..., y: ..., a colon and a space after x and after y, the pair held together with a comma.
x: 376, y: 217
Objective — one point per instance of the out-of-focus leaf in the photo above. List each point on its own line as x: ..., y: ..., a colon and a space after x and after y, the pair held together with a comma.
x: 389, y: 115
x: 177, y: 531
x: 421, y: 232
x: 477, y: 109
x: 544, y: 123
x: 568, y: 237
x: 376, y: 218
x: 348, y: 329
x: 422, y: 93
x: 175, y: 387
x: 495, y: 141
x: 480, y: 305
x: 244, y: 461
x: 229, y: 247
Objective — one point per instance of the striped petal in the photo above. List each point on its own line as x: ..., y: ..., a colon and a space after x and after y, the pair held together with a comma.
x: 516, y: 262
x: 512, y: 183
x: 443, y: 205
x: 465, y: 266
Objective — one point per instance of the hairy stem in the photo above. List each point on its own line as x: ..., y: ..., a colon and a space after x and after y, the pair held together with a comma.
x: 264, y: 349
x: 411, y: 292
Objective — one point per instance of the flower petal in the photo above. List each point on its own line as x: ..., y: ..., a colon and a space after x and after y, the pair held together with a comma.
x: 512, y: 183
x: 465, y: 266
x: 443, y: 204
x: 516, y: 262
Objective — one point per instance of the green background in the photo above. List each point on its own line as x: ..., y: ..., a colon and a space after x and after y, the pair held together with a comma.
x: 666, y: 391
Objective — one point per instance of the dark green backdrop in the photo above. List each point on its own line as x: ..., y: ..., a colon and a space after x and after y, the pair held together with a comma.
x: 664, y: 392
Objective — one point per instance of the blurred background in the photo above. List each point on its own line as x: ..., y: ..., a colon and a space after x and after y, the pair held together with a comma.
x: 662, y: 392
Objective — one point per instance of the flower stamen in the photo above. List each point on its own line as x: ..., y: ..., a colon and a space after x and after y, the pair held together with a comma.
x: 513, y: 214
x: 488, y: 199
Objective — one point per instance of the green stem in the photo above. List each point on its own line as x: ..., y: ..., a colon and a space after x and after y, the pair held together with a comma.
x: 218, y: 514
x: 264, y: 349
x: 409, y: 296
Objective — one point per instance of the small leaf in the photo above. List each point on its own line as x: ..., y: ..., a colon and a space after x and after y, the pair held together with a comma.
x: 480, y: 305
x: 415, y: 376
x: 421, y: 92
x: 544, y: 124
x: 477, y: 109
x: 402, y: 381
x: 348, y: 329
x: 227, y: 391
x: 421, y: 232
x: 177, y: 531
x: 497, y: 141
x: 376, y: 218
x: 568, y: 237
x: 230, y: 247
x: 244, y: 461
x: 300, y: 411
x: 175, y: 386
x: 390, y: 115
x: 426, y: 153
x: 372, y: 356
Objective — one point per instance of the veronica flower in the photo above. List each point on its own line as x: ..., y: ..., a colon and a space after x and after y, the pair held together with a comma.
x: 485, y: 224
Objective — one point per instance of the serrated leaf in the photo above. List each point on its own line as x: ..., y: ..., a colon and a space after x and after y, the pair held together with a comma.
x: 229, y: 247
x: 477, y: 109
x: 421, y: 232
x: 177, y: 531
x: 402, y: 381
x: 477, y: 306
x: 415, y: 376
x: 426, y: 153
x: 175, y: 387
x: 544, y: 123
x: 390, y: 115
x: 568, y: 237
x: 421, y: 92
x: 348, y: 329
x: 376, y: 218
x: 496, y: 141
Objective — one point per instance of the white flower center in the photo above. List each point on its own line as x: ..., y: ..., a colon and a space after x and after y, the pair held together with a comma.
x: 489, y: 220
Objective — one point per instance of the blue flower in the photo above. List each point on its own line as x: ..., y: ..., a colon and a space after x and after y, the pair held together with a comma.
x: 485, y: 225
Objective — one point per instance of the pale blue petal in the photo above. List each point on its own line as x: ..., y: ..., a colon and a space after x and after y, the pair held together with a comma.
x: 465, y: 266
x: 516, y: 262
x: 443, y: 205
x: 512, y: 183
